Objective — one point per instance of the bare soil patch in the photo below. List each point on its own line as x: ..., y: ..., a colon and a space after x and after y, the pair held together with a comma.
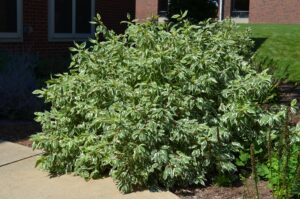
x: 239, y: 192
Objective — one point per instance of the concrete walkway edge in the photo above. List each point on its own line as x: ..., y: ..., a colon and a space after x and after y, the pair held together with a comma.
x: 10, y: 153
x: 21, y: 180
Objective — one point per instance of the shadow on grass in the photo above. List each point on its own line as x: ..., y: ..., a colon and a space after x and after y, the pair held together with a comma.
x: 258, y: 42
x: 278, y: 71
x: 284, y: 89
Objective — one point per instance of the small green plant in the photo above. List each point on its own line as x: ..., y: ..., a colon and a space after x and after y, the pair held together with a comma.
x: 247, y: 163
x: 163, y: 105
x: 287, y: 186
x: 282, y: 165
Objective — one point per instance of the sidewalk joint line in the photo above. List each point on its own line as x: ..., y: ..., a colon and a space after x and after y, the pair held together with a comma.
x: 9, y: 163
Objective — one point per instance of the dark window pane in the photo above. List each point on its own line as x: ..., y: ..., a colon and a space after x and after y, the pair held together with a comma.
x: 242, y: 5
x: 8, y: 15
x: 63, y: 16
x: 163, y: 5
x: 83, y: 16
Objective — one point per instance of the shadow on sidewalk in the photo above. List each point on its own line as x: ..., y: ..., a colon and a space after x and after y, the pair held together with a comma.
x: 18, y: 131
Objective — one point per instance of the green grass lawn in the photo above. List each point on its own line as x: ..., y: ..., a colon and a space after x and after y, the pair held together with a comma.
x: 279, y: 44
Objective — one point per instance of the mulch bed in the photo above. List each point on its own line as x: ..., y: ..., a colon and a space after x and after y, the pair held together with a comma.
x: 238, y: 192
x: 288, y: 92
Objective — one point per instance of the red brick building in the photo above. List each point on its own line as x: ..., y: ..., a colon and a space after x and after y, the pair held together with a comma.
x: 263, y: 11
x: 49, y: 27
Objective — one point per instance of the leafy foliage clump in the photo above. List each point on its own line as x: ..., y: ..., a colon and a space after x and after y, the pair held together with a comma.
x: 161, y: 105
x: 279, y: 162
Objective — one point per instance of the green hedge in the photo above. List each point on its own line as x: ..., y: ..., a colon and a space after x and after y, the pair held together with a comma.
x: 161, y: 105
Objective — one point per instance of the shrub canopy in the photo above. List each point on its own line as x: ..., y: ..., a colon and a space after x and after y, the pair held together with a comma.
x: 160, y: 105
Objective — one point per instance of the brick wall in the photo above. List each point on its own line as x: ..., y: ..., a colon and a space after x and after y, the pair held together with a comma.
x: 35, y: 16
x: 227, y: 8
x: 146, y: 8
x: 275, y: 11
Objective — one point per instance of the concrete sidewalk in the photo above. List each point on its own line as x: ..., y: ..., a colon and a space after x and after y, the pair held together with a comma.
x: 10, y: 152
x: 20, y: 180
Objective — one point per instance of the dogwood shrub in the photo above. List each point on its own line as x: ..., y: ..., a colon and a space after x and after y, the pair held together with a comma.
x: 160, y: 105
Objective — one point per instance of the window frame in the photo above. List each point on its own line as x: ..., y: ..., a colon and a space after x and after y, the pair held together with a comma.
x: 15, y: 36
x: 54, y: 37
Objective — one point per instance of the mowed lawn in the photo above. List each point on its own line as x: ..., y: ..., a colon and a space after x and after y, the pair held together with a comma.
x: 280, y: 46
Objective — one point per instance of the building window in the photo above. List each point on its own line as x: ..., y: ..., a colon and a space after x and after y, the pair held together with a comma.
x: 70, y: 19
x: 240, y: 8
x: 163, y: 7
x: 11, y: 12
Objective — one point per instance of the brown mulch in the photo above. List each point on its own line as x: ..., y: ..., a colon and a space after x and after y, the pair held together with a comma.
x: 240, y: 192
x: 18, y: 131
x: 288, y: 92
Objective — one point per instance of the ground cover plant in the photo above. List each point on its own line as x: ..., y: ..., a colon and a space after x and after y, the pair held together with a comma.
x: 162, y: 105
x: 279, y: 45
x: 280, y: 164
